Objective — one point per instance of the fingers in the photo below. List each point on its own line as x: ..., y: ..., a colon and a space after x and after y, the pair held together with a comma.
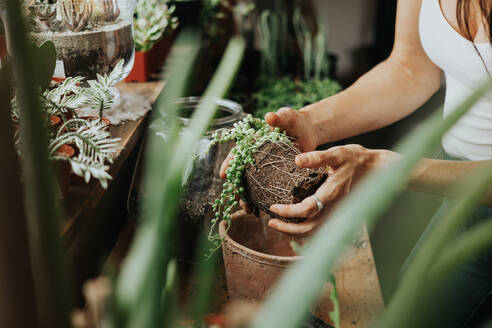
x: 304, y: 209
x: 295, y: 229
x: 225, y: 165
x: 245, y: 206
x: 333, y: 157
x: 284, y: 118
x: 335, y: 186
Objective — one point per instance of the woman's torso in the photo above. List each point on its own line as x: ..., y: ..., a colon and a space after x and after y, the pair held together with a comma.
x: 471, y: 137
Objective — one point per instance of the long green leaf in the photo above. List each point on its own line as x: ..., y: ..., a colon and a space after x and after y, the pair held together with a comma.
x: 411, y: 288
x: 140, y: 285
x: 42, y: 209
x: 474, y: 241
x: 366, y: 204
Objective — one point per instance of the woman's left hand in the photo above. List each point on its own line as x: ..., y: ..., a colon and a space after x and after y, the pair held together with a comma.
x: 347, y: 164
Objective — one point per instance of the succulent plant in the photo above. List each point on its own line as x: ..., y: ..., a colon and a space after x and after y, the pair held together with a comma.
x: 76, y: 14
x: 42, y: 11
x: 111, y: 10
x: 152, y: 20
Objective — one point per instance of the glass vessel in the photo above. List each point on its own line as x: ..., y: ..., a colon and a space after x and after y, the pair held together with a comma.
x: 201, y: 181
x: 90, y: 36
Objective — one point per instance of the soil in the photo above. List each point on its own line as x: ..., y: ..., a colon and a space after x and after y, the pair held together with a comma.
x: 204, y: 186
x: 91, y: 52
x: 274, y: 178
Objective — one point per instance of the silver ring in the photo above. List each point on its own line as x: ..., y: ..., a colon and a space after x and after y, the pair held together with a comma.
x: 318, y: 203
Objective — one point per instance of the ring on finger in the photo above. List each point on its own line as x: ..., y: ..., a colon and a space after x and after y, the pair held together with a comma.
x: 319, y: 204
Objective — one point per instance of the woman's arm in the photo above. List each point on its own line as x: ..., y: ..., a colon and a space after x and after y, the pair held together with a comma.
x: 390, y: 91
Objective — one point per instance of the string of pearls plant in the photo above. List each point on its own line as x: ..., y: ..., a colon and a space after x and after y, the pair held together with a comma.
x: 249, y: 134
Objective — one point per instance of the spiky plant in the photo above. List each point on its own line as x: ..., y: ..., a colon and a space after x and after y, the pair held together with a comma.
x: 76, y: 14
x: 99, y: 95
x: 111, y: 10
x: 95, y: 145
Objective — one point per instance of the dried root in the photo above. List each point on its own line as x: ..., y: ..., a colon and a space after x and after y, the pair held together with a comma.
x: 111, y: 10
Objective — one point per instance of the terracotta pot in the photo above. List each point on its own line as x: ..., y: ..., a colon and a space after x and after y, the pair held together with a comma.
x: 148, y: 62
x: 255, y: 256
x: 63, y: 168
x: 55, y: 123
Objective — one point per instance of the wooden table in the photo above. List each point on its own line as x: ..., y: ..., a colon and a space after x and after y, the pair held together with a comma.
x: 84, y: 198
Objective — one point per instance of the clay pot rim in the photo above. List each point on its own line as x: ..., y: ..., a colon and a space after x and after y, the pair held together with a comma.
x: 251, y: 253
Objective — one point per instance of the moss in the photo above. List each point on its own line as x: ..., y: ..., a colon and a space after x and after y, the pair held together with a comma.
x: 275, y: 93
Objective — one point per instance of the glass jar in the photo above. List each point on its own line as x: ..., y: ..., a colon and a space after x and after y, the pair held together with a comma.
x: 201, y: 181
x: 90, y: 36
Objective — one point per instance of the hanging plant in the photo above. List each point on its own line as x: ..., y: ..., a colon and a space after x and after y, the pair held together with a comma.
x: 262, y: 172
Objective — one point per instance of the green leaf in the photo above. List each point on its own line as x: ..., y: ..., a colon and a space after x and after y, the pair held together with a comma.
x: 46, y: 55
x: 335, y: 314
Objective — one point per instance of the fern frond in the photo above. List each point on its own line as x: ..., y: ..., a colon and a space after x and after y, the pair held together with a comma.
x: 86, y: 169
x: 95, y: 146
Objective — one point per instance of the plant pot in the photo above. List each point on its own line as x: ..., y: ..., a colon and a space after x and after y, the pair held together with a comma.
x: 63, y: 168
x: 255, y: 256
x: 148, y: 62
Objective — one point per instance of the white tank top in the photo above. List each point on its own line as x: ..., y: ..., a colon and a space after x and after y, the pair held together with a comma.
x: 471, y: 137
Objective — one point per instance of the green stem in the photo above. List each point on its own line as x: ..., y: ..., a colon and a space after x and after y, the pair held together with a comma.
x: 42, y: 208
x: 411, y: 288
x: 474, y: 241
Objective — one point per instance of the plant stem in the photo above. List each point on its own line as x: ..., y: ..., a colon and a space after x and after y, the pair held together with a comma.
x: 17, y: 299
x: 477, y: 239
x: 42, y: 209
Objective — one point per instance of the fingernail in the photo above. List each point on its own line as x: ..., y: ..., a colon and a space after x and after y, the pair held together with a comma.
x: 301, y: 159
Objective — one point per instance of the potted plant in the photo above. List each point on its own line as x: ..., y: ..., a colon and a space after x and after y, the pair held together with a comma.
x: 90, y: 36
x: 153, y: 31
x: 79, y: 145
x: 277, y: 83
x: 262, y: 172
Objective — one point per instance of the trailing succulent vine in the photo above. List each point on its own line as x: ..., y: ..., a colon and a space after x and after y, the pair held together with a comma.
x: 249, y: 134
x: 90, y: 138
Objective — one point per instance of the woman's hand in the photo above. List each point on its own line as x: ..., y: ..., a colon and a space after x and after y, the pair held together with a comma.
x: 347, y: 165
x: 297, y: 126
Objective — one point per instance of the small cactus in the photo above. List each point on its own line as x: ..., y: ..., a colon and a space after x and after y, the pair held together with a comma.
x: 111, y: 10
x: 76, y: 14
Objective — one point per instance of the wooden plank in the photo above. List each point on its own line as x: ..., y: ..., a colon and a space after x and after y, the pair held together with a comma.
x: 86, y: 197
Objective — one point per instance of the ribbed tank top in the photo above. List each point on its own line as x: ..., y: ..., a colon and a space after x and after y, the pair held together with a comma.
x: 471, y: 137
